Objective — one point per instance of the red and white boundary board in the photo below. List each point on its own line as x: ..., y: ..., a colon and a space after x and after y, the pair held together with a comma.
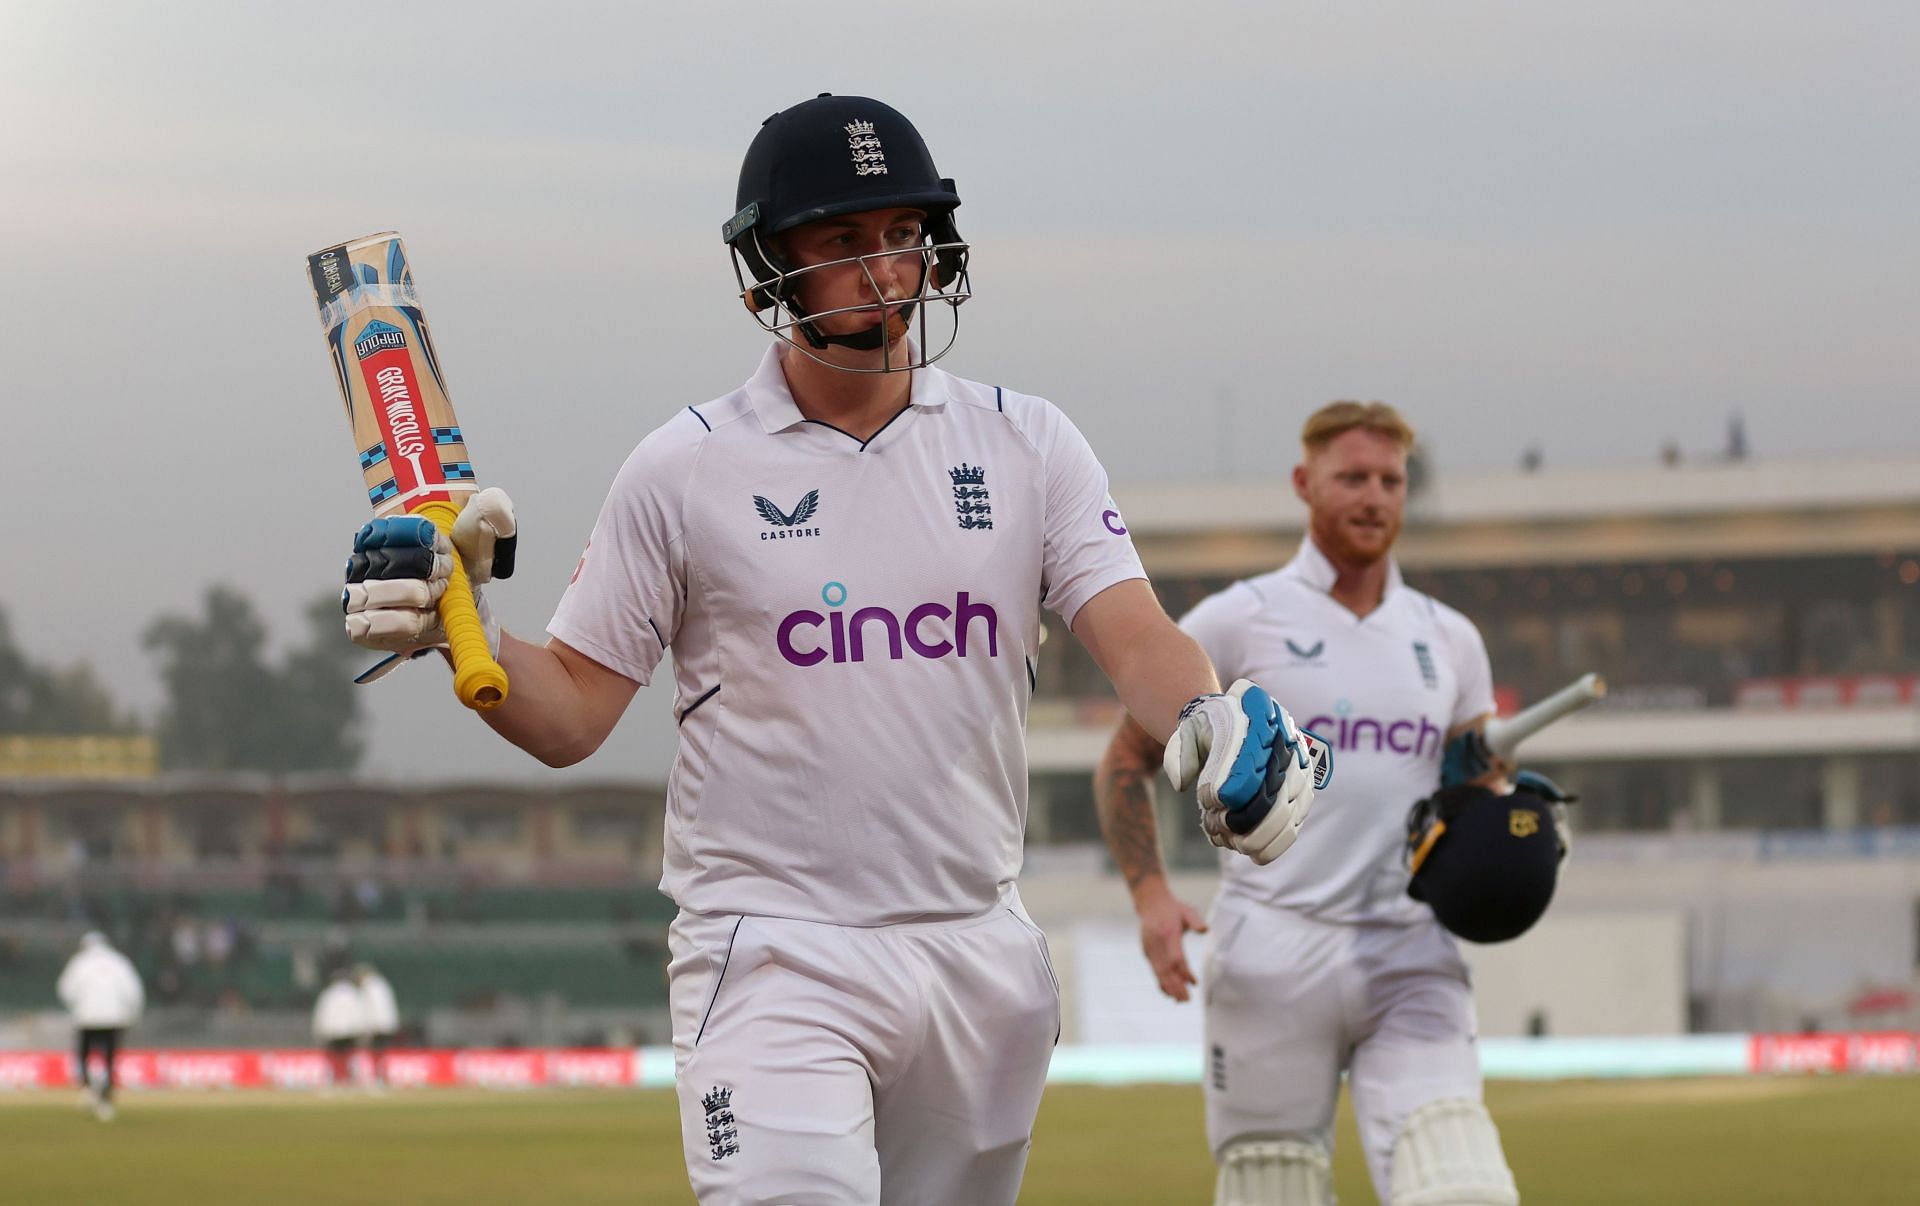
x: 1886, y: 1052
x: 545, y: 1068
x: 1896, y: 1051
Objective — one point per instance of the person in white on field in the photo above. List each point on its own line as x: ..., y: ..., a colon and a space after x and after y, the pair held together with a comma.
x: 380, y: 1014
x: 339, y: 1019
x: 1323, y: 965
x: 848, y: 556
x: 102, y: 992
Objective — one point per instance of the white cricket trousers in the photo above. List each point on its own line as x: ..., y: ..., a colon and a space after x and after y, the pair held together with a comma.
x: 1293, y: 1002
x: 824, y: 1065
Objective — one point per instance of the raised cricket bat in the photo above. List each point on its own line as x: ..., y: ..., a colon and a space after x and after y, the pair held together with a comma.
x: 1504, y: 736
x: 413, y: 455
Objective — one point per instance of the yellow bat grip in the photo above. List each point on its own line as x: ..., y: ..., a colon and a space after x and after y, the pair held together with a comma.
x: 477, y: 679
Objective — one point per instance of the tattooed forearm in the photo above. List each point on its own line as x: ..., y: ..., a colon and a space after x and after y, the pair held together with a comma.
x: 1123, y: 796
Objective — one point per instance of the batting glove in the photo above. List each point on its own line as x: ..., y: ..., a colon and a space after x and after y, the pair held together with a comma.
x: 1253, y: 770
x: 400, y: 567
x: 1467, y: 758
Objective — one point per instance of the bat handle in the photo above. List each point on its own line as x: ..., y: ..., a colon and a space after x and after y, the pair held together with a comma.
x: 477, y: 679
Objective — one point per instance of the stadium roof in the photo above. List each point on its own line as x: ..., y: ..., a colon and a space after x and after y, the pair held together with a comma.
x: 1554, y: 494
x: 1766, y: 508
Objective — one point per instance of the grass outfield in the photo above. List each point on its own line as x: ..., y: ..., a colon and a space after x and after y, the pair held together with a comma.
x: 1642, y: 1142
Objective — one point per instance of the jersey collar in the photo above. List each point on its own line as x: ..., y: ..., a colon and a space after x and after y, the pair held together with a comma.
x: 773, y: 402
x: 1311, y: 566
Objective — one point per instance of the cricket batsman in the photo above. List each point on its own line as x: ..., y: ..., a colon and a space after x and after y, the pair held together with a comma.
x: 848, y: 555
x: 1322, y: 964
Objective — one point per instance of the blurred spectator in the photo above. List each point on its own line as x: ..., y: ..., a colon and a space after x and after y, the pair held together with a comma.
x: 338, y: 1023
x: 186, y: 942
x: 103, y: 993
x: 367, y: 895
x: 219, y: 943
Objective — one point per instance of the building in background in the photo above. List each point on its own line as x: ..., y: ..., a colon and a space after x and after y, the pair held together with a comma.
x: 1758, y: 624
x: 1747, y: 847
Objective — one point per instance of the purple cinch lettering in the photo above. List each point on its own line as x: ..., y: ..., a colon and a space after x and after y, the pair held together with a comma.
x: 965, y: 611
x: 837, y: 629
x: 927, y: 649
x: 784, y: 637
x: 1427, y: 730
x: 1395, y: 745
x: 892, y: 623
x: 1362, y: 723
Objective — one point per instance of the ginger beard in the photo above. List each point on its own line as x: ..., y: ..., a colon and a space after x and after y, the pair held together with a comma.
x: 1355, y: 488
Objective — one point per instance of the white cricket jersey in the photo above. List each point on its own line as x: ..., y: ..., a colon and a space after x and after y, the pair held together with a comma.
x: 1383, y: 691
x: 853, y: 627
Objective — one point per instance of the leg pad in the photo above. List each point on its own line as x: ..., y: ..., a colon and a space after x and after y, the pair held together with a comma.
x: 1274, y: 1172
x: 1449, y: 1154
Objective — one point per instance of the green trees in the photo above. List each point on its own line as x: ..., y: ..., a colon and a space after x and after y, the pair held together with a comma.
x: 229, y: 708
x: 44, y: 701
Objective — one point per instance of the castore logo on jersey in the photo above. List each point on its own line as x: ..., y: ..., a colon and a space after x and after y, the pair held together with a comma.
x: 929, y: 630
x: 786, y: 525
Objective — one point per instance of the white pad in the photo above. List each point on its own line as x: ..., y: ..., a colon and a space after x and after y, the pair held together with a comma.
x: 1274, y: 1172
x: 1449, y: 1154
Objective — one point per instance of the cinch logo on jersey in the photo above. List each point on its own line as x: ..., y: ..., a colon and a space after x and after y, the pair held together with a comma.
x: 1418, y: 737
x: 929, y: 630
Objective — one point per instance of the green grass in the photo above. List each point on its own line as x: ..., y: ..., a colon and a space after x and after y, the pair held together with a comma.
x: 1650, y: 1143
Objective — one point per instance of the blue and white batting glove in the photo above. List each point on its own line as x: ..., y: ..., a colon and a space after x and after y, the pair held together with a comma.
x: 1466, y: 759
x: 1254, y: 772
x: 399, y: 570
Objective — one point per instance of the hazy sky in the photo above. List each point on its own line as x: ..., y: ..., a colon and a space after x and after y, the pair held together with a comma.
x: 1591, y: 225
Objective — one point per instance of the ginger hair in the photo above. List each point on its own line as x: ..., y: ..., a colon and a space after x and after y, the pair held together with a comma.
x: 1336, y: 419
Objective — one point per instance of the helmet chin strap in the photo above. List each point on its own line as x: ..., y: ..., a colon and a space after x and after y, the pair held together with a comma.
x: 869, y: 340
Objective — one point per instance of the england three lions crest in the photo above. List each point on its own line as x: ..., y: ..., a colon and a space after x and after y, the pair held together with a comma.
x: 869, y: 158
x: 971, y: 504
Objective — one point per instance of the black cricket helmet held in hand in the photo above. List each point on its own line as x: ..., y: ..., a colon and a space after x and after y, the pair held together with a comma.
x: 1487, y: 864
x: 829, y: 157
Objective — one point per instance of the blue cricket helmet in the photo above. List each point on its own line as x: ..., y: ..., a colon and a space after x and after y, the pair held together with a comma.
x: 1487, y: 864
x: 825, y: 158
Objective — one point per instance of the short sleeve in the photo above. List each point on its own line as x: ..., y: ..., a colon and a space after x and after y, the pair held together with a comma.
x: 1087, y: 548
x: 628, y: 592
x: 1219, y: 624
x: 1471, y: 669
